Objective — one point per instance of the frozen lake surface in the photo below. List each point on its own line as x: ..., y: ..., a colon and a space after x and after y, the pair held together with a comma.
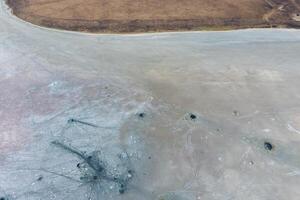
x: 168, y: 116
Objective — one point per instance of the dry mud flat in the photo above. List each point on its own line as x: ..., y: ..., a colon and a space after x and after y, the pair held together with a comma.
x: 185, y: 116
x: 157, y: 15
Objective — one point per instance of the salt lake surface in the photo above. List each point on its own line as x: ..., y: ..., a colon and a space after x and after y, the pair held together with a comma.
x: 167, y: 116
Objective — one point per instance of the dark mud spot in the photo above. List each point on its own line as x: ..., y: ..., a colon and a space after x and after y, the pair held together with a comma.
x: 71, y: 120
x: 142, y: 115
x: 40, y: 178
x: 5, y: 198
x: 121, y: 191
x: 268, y: 146
x: 193, y: 116
x: 96, y: 168
x: 236, y: 113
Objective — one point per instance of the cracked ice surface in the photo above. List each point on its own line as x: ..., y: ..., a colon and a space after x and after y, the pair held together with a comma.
x: 174, y: 116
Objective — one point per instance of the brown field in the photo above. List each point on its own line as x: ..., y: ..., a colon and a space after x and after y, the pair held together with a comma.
x: 157, y: 15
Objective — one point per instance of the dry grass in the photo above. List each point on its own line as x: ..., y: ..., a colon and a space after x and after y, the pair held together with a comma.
x: 155, y: 15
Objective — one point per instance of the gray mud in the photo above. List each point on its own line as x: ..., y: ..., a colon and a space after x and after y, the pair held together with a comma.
x: 174, y: 116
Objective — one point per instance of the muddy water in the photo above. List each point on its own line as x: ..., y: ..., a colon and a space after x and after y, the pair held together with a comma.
x: 173, y: 116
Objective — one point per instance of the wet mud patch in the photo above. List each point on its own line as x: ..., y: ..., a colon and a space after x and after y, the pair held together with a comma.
x: 76, y: 152
x: 109, y: 168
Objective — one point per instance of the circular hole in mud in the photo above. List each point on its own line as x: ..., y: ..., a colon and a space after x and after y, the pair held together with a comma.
x: 141, y: 115
x: 71, y: 120
x: 122, y: 189
x: 236, y: 113
x: 193, y: 116
x: 268, y: 146
x: 40, y: 178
